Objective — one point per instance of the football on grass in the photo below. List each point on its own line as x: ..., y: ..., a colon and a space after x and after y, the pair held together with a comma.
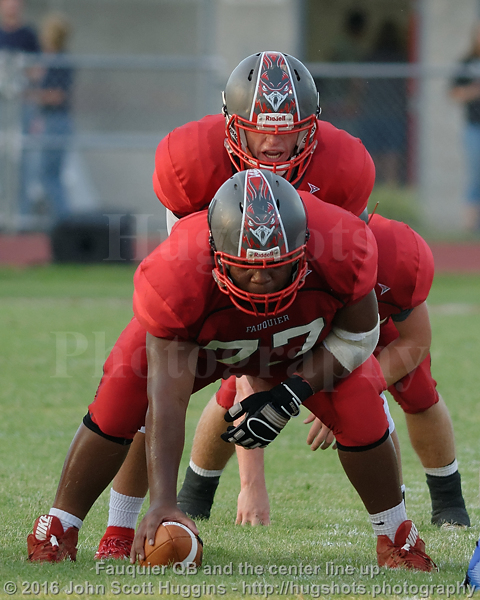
x: 174, y: 543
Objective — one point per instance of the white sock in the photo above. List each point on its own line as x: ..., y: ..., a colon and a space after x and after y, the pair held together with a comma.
x: 443, y: 471
x: 204, y: 472
x: 388, y: 521
x: 123, y: 510
x: 66, y: 519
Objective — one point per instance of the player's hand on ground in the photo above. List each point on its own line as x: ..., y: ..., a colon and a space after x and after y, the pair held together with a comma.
x: 150, y: 523
x: 253, y: 507
x: 319, y: 436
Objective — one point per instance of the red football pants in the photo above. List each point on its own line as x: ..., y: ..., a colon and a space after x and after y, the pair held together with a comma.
x: 353, y: 410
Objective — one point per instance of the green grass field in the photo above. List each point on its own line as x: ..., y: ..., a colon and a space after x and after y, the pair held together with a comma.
x: 58, y: 324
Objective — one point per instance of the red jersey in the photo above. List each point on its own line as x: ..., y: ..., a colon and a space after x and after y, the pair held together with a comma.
x: 191, y: 163
x: 176, y: 296
x: 405, y: 268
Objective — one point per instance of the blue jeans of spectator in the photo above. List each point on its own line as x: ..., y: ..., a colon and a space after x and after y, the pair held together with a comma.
x: 29, y: 160
x: 57, y: 132
x: 472, y: 151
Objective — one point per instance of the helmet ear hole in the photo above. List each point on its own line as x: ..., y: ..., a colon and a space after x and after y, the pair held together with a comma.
x: 250, y: 75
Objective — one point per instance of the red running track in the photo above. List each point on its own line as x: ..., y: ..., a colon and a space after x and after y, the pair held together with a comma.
x: 35, y: 249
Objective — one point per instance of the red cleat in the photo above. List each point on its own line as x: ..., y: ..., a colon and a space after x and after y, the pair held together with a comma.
x: 407, y: 551
x: 115, y: 543
x: 49, y: 542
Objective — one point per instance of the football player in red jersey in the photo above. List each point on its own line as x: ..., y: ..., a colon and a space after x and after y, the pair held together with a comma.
x: 405, y: 275
x: 302, y: 316
x: 270, y: 119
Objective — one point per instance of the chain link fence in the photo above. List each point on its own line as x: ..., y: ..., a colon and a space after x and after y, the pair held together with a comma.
x: 98, y: 153
x: 376, y: 107
x: 92, y: 147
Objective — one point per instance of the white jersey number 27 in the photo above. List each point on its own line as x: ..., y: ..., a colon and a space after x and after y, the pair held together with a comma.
x: 246, y: 348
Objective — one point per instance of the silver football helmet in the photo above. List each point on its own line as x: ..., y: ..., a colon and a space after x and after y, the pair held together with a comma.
x: 257, y: 220
x: 275, y: 93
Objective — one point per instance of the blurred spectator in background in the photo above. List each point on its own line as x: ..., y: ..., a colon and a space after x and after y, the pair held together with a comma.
x: 466, y: 90
x: 55, y: 103
x: 340, y: 96
x: 17, y: 37
x: 384, y: 101
x: 349, y: 46
x: 14, y: 34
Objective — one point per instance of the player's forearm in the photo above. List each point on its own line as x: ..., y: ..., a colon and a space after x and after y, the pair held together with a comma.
x: 170, y: 384
x: 399, y: 358
x: 321, y: 369
x: 251, y: 467
x: 410, y: 348
x: 253, y: 506
x: 165, y: 438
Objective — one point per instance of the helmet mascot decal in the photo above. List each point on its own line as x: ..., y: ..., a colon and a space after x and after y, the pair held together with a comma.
x: 273, y: 93
x: 257, y: 220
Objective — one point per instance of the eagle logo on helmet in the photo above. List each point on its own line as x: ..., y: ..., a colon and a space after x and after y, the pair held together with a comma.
x: 275, y: 87
x: 263, y: 235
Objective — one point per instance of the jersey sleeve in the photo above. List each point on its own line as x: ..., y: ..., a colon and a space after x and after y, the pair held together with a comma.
x: 172, y: 286
x: 401, y: 316
x: 341, y: 171
x: 363, y: 185
x: 191, y: 163
x: 342, y: 249
x: 153, y: 311
x: 362, y: 272
x: 405, y: 268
